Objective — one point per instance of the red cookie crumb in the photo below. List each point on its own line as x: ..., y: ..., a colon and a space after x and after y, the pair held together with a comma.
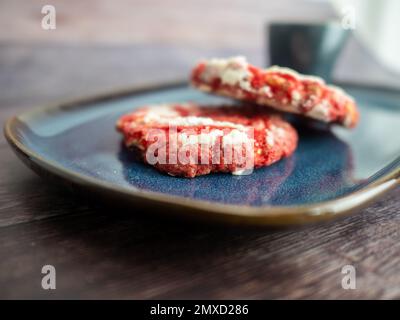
x: 279, y: 88
x: 190, y: 140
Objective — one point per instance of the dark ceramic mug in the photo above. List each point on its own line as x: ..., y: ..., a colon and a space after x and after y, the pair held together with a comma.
x: 307, y: 48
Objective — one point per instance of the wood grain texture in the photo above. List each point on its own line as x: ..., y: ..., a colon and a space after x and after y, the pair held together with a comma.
x: 106, y: 253
x: 103, y: 251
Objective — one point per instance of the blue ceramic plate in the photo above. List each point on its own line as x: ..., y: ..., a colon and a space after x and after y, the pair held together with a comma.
x: 333, y: 171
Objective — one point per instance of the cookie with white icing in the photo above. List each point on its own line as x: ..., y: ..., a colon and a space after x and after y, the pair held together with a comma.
x: 190, y: 140
x: 276, y: 87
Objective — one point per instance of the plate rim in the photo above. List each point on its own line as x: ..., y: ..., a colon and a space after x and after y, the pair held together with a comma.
x: 244, y: 214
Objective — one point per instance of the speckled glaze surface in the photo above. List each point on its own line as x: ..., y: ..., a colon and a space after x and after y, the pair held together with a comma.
x: 329, y: 170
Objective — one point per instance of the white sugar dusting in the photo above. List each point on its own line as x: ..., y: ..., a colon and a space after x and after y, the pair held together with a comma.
x: 166, y: 114
x: 234, y: 71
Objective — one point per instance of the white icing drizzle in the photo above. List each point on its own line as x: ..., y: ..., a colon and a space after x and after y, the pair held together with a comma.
x: 269, y: 138
x: 234, y: 71
x: 320, y: 111
x: 165, y: 114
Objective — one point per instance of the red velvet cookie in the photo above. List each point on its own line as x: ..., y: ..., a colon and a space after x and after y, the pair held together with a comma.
x: 279, y: 88
x: 190, y: 140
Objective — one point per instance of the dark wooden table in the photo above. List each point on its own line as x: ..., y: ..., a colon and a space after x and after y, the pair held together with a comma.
x: 102, y: 252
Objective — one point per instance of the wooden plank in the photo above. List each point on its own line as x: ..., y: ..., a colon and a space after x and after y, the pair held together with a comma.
x: 112, y: 254
x: 26, y: 197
